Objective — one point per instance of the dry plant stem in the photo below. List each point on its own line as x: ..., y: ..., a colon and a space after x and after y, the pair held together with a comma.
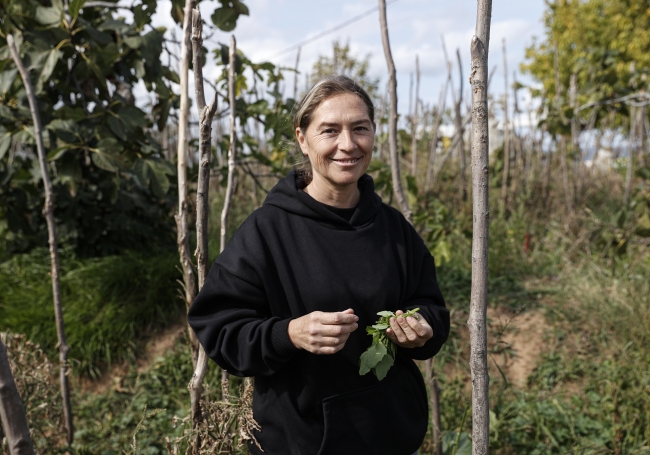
x: 414, y: 139
x: 447, y: 154
x: 206, y: 115
x: 630, y: 156
x: 182, y: 226
x: 506, y: 135
x: 231, y: 152
x: 13, y: 419
x: 295, y: 79
x: 48, y: 211
x: 398, y: 190
x: 480, y: 223
x: 436, y: 128
x: 434, y: 396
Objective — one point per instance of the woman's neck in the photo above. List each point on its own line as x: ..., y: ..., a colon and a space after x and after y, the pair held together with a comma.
x: 326, y: 193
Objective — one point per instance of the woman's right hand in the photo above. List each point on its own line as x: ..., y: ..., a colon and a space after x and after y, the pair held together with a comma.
x: 323, y: 333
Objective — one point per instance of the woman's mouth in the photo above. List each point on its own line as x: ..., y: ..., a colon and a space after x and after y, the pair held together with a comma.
x: 346, y: 160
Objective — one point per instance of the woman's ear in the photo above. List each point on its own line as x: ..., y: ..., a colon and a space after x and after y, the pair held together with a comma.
x: 302, y: 141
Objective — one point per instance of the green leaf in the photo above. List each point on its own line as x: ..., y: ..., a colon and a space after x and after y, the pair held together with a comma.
x: 57, y: 153
x: 51, y: 61
x: 159, y: 181
x: 117, y: 127
x: 141, y: 171
x: 48, y: 15
x: 381, y: 326
x: 134, y: 42
x: 386, y: 314
x: 105, y: 161
x: 382, y: 367
x: 110, y: 145
x: 75, y: 7
x: 7, y: 78
x: 5, y: 143
x: 225, y: 19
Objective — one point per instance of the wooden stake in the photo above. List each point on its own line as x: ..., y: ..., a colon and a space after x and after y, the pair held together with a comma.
x: 48, y: 211
x: 13, y: 419
x: 206, y: 115
x: 231, y: 152
x: 480, y: 191
x: 460, y: 130
x: 392, y: 120
x: 182, y: 227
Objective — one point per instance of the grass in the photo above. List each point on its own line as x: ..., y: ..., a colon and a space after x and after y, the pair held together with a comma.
x: 109, y: 303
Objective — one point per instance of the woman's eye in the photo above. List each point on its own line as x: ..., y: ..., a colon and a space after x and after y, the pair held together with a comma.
x: 328, y: 131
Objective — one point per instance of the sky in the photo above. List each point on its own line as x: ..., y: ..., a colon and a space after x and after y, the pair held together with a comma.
x: 415, y: 28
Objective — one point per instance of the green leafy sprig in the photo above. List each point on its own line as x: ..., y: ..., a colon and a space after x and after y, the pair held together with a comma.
x: 380, y: 356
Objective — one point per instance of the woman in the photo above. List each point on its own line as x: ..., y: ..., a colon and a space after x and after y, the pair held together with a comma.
x: 289, y: 298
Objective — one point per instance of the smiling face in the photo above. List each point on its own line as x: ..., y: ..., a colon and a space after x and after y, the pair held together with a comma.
x: 339, y: 142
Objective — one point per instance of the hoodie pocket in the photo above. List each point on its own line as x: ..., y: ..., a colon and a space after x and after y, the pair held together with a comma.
x: 389, y: 418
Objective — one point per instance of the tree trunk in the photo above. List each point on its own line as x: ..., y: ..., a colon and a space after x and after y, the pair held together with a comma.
x: 506, y: 136
x: 414, y: 142
x: 480, y: 189
x: 182, y: 225
x: 231, y: 152
x: 13, y: 420
x: 392, y: 121
x: 206, y: 115
x: 460, y: 131
x: 48, y: 211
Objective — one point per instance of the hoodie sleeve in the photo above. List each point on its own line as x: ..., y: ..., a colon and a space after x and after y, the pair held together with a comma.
x: 232, y: 317
x: 424, y: 293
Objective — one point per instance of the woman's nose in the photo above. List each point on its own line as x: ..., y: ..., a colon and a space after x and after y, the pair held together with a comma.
x: 346, y: 141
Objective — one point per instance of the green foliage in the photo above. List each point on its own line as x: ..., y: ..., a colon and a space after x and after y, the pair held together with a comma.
x: 380, y: 356
x: 109, y: 303
x: 112, y: 184
x: 603, y: 42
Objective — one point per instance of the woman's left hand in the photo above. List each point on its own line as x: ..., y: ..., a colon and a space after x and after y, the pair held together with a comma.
x: 409, y: 332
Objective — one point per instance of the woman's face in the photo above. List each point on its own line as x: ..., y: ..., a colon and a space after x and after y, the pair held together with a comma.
x: 339, y: 140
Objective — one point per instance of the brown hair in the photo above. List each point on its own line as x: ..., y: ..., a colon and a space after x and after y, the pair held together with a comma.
x: 322, y: 90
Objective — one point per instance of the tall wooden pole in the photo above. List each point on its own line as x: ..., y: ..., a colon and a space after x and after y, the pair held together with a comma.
x: 182, y: 226
x: 398, y: 190
x: 48, y: 211
x: 13, y: 419
x: 231, y: 152
x: 206, y: 115
x: 480, y: 189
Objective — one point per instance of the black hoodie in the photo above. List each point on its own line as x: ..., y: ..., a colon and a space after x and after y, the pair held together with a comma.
x: 294, y: 256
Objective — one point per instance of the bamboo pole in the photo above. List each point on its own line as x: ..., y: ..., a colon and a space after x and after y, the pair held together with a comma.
x: 13, y: 419
x: 206, y: 115
x: 414, y: 142
x: 480, y: 191
x: 392, y: 121
x: 231, y: 152
x: 182, y: 226
x: 48, y: 211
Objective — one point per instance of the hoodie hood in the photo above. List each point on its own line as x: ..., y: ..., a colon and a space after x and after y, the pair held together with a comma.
x: 288, y: 195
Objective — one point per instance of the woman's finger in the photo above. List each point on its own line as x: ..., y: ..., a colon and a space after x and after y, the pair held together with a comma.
x: 420, y: 326
x: 398, y: 331
x: 411, y: 335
